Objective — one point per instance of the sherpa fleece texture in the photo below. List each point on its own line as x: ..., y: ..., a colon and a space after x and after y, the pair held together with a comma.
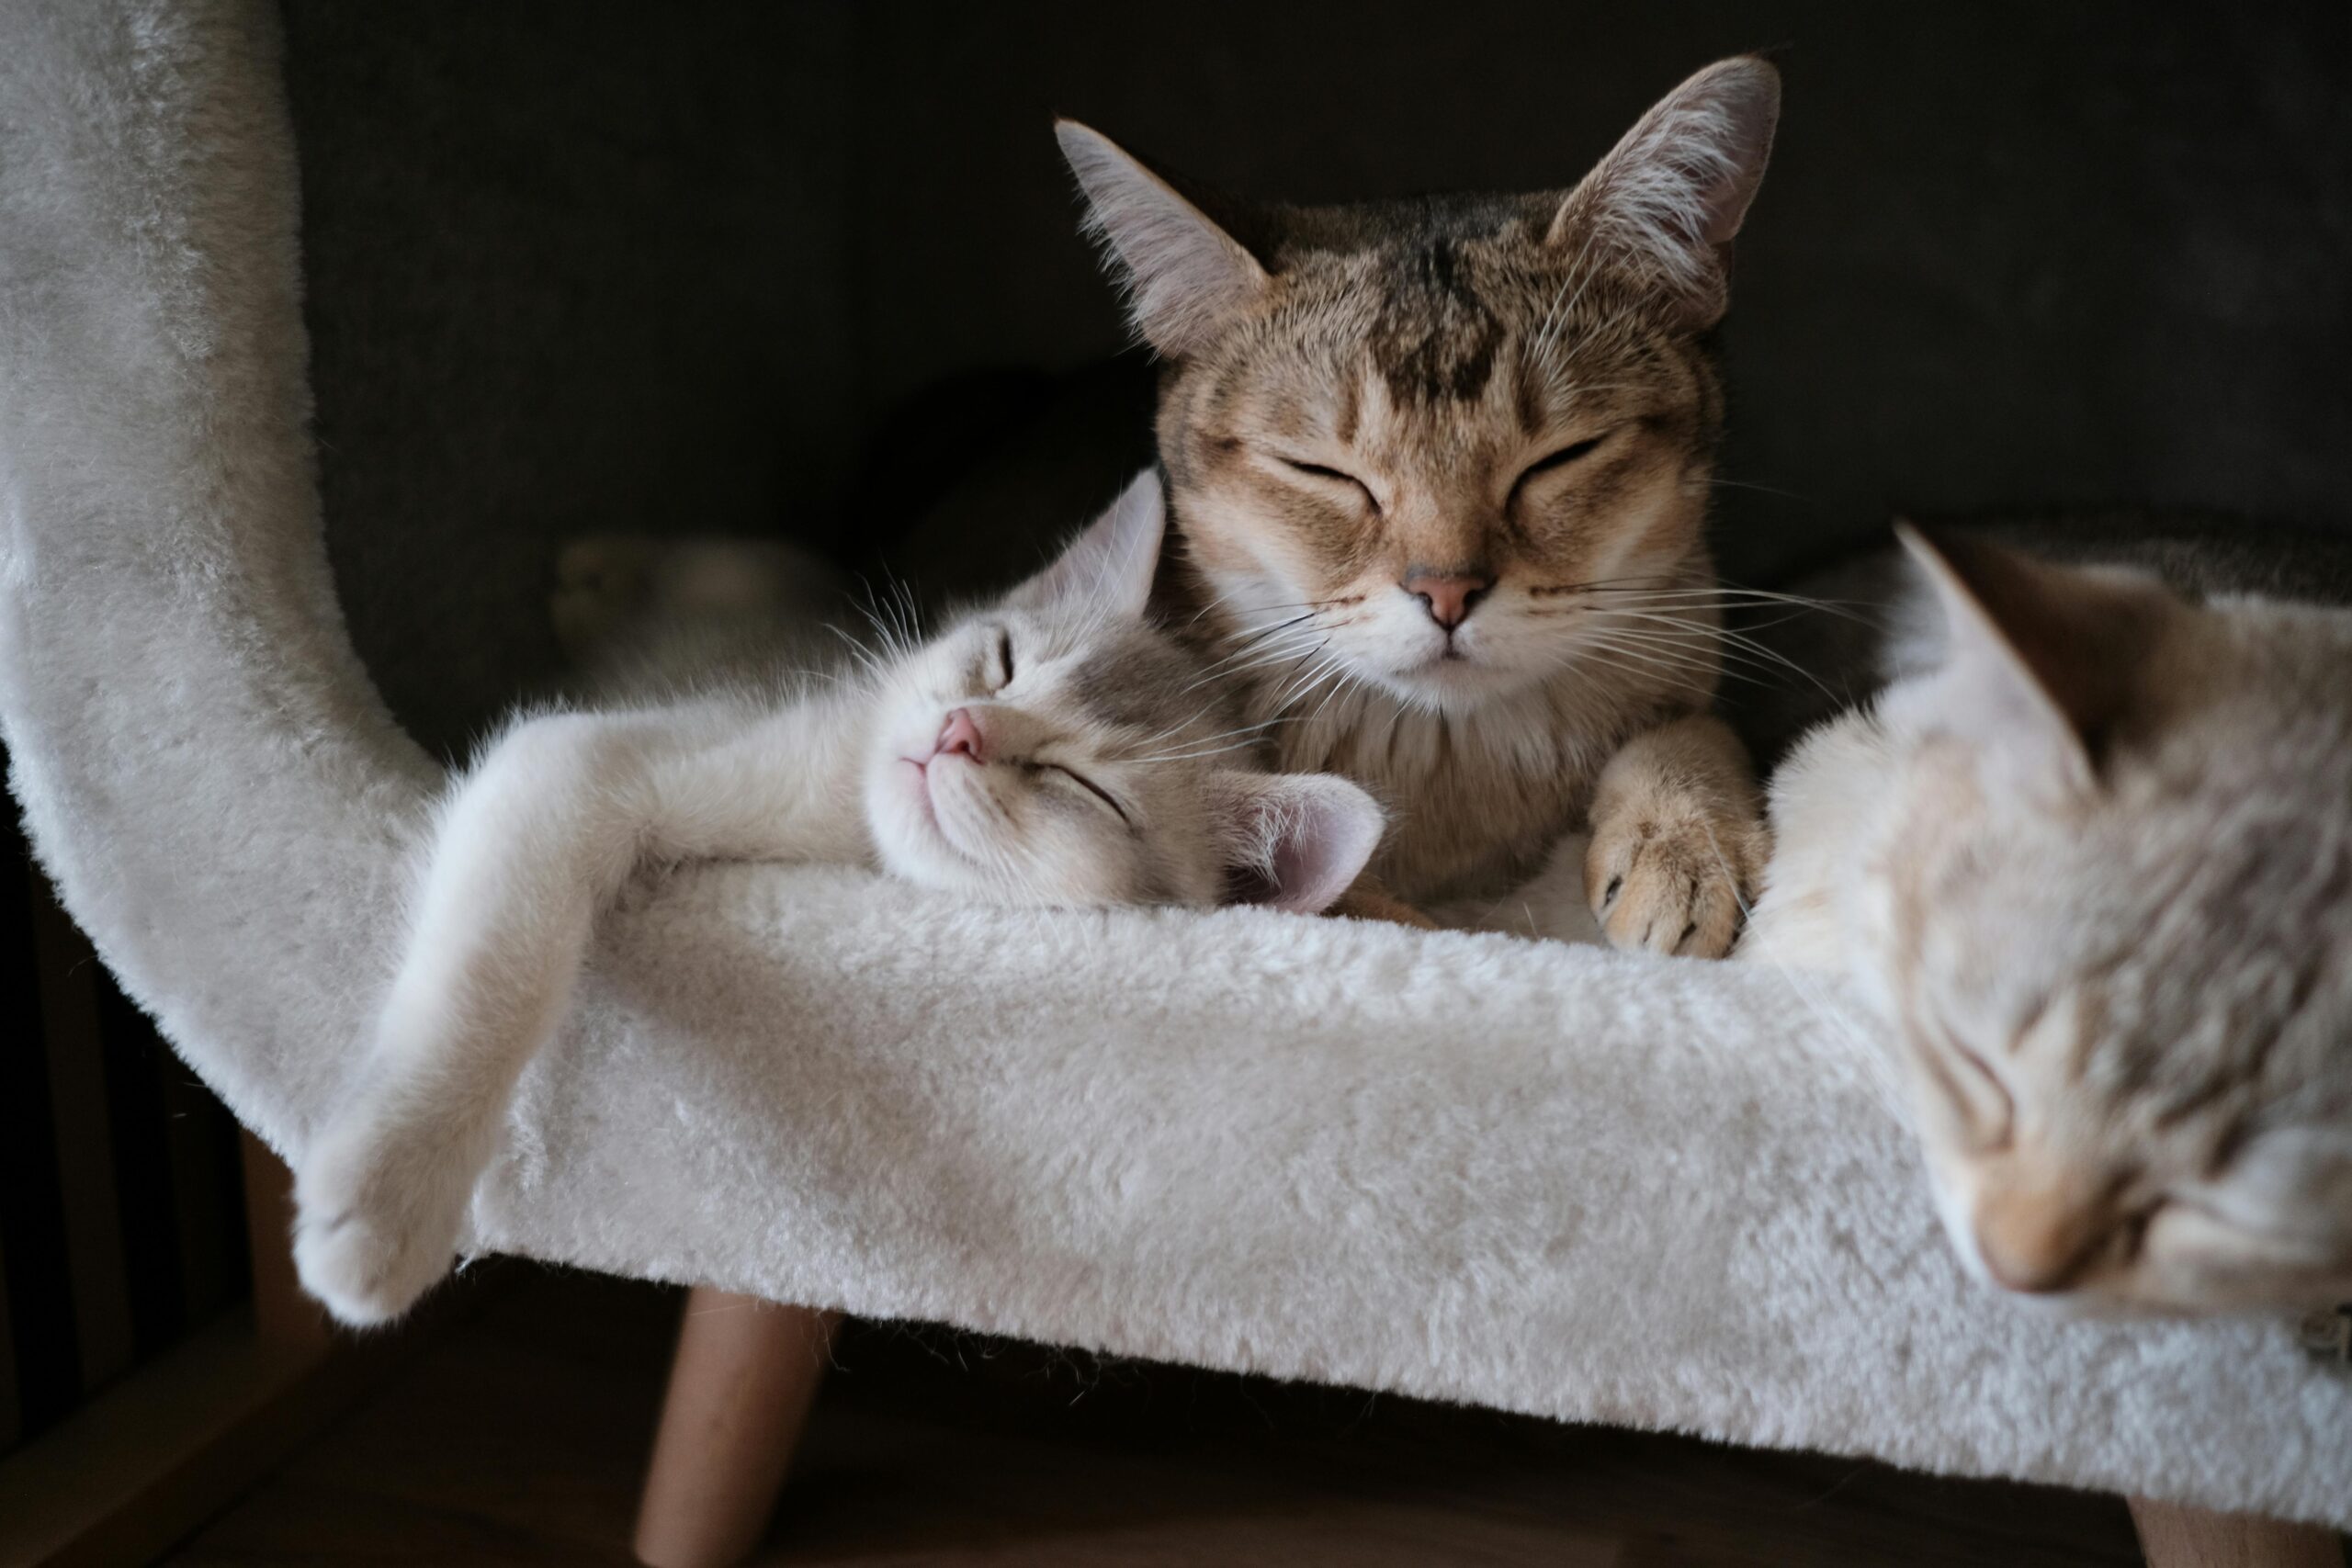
x: 1538, y: 1177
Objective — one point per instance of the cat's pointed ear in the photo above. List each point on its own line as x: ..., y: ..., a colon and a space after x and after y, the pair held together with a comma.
x: 1185, y: 276
x: 1108, y: 568
x: 1669, y: 197
x: 1296, y: 840
x: 2040, y: 661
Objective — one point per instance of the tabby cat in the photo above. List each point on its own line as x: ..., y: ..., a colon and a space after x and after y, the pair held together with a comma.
x: 1440, y: 468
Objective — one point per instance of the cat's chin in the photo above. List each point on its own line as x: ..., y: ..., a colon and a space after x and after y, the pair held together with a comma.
x: 904, y: 824
x: 1451, y: 684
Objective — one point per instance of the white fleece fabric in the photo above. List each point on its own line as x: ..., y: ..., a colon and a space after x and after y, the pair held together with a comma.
x: 1534, y: 1176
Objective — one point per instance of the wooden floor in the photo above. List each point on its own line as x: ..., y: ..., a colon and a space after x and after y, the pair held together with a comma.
x: 518, y: 1436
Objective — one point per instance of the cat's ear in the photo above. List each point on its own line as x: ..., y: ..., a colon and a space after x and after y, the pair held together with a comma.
x: 1669, y: 197
x: 1296, y: 840
x: 1108, y: 568
x: 2040, y: 661
x: 1184, y: 276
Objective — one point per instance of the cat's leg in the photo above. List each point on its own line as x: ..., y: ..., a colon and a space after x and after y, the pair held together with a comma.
x: 531, y: 844
x: 1678, y: 840
x: 530, y: 847
x: 1367, y: 899
x: 1550, y: 905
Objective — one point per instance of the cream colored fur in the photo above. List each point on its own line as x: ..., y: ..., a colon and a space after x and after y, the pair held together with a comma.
x: 2093, y: 867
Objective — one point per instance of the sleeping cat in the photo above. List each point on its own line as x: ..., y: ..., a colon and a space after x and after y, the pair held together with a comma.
x: 2090, y: 855
x: 1050, y: 750
x: 1440, y: 468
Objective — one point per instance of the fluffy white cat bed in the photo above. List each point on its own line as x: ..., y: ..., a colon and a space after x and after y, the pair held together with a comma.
x: 1532, y: 1177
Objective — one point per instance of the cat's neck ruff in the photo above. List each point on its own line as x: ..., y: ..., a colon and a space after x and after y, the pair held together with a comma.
x: 1478, y: 795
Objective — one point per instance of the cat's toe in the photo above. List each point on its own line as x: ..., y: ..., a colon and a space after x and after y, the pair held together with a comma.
x: 375, y: 1228
x: 1666, y: 888
x: 368, y: 1268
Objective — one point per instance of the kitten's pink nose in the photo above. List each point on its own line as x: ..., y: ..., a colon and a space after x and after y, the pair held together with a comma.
x: 962, y: 733
x: 2037, y: 1237
x: 1448, y: 596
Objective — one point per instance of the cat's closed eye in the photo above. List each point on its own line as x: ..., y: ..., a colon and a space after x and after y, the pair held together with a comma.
x: 1977, y: 1091
x: 1072, y: 777
x: 1328, y: 474
x: 1554, y: 462
x: 1003, y: 676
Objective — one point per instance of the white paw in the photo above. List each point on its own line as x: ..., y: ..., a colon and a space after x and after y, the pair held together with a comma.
x: 378, y: 1208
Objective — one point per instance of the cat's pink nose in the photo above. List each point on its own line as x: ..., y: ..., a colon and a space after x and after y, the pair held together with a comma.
x: 962, y: 733
x: 2042, y: 1237
x: 1448, y: 596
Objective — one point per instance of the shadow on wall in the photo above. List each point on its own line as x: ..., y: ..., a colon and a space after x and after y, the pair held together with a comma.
x: 669, y: 268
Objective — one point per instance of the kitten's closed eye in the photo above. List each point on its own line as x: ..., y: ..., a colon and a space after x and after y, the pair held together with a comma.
x: 1976, y: 1091
x: 1331, y: 476
x: 1071, y: 775
x: 1003, y: 662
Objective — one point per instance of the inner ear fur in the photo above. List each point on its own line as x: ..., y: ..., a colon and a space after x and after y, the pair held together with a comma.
x: 1185, y: 273
x: 2056, y: 648
x: 1672, y: 196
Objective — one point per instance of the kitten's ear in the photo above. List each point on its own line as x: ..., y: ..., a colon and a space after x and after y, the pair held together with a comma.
x: 2040, y: 661
x: 1184, y: 276
x: 1108, y: 568
x: 1669, y: 197
x: 1298, y: 840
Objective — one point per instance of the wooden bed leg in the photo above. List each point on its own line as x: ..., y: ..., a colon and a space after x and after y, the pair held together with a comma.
x: 745, y: 1374
x: 2174, y: 1536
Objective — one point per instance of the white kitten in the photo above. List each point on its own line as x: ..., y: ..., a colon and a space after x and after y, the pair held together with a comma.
x: 2093, y: 864
x: 1053, y: 750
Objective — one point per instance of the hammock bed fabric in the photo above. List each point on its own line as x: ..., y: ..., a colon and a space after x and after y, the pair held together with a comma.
x: 1527, y: 1175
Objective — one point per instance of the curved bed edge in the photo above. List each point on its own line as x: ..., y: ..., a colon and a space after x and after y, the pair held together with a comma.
x: 204, y: 767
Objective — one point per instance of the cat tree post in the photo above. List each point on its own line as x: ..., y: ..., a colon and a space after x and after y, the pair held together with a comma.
x: 745, y: 1374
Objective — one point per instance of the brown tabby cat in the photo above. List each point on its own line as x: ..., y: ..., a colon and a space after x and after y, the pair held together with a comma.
x: 1440, y: 468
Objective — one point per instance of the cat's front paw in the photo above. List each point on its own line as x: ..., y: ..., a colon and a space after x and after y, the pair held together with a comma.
x: 378, y: 1208
x: 1673, y: 884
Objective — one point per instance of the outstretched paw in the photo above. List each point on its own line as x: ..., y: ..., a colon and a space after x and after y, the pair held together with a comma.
x: 1673, y: 886
x: 378, y: 1209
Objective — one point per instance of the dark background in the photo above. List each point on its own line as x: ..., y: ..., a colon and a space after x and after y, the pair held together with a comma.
x: 679, y: 269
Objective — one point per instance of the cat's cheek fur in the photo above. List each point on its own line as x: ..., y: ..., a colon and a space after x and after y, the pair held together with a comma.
x: 898, y: 818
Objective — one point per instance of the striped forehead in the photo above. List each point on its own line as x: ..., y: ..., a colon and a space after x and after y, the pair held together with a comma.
x: 1139, y: 680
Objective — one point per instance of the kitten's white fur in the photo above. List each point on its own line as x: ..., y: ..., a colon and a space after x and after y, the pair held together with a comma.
x: 1107, y: 779
x: 2091, y: 860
